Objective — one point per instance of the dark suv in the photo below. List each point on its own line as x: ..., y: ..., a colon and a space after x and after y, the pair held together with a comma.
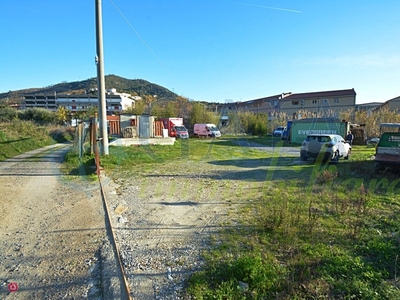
x: 387, y: 153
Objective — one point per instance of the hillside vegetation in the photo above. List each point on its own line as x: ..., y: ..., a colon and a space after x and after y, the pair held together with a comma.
x: 138, y: 87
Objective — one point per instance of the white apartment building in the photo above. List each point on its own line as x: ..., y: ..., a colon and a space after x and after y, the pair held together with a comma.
x: 115, y: 102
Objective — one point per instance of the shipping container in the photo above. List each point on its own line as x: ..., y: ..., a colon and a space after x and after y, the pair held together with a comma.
x: 301, y: 128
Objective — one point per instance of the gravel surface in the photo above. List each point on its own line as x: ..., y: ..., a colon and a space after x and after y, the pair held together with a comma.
x: 53, y: 229
x: 50, y: 229
x: 164, y: 221
x: 166, y: 217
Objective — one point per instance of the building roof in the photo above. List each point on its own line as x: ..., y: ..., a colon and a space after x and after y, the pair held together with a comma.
x: 335, y: 93
x: 386, y: 103
x: 259, y: 100
x: 370, y: 104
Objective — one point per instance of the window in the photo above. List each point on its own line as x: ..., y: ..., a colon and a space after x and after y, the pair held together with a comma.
x: 295, y: 102
x: 315, y: 101
x: 336, y: 100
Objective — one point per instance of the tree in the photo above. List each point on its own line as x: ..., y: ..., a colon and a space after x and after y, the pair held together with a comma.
x: 373, y: 120
x: 278, y: 119
x: 170, y: 110
x: 91, y: 111
x: 183, y: 107
x: 62, y: 114
x: 235, y: 125
x: 137, y: 109
x: 148, y: 100
x: 198, y: 113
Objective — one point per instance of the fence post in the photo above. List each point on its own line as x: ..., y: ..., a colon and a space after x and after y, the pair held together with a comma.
x: 80, y: 142
x: 95, y: 145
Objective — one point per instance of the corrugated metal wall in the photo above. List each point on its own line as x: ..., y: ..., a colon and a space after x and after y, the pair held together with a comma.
x: 144, y: 126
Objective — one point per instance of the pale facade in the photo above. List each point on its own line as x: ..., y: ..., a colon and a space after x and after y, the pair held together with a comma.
x: 321, y: 104
x: 392, y: 105
x: 326, y: 103
x: 115, y: 102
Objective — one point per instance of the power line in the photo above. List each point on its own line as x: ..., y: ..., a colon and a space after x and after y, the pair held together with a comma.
x: 143, y: 41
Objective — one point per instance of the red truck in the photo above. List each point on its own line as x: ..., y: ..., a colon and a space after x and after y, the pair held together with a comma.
x: 175, y: 127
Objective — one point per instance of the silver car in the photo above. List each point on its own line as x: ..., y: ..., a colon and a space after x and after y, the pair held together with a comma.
x: 325, y: 147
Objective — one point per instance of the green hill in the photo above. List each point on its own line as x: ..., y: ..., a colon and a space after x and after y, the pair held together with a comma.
x: 138, y: 87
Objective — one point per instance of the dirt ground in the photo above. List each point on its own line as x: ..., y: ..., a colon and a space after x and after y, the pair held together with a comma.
x: 52, y: 228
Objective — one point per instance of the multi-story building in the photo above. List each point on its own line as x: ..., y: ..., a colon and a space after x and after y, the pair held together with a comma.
x: 392, y: 105
x: 368, y: 106
x: 115, y: 102
x: 322, y: 104
x: 39, y: 101
x: 325, y: 103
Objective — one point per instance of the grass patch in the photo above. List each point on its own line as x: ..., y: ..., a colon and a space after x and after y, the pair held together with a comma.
x: 127, y: 158
x: 314, y: 232
x: 297, y: 245
x: 74, y: 166
x: 18, y: 137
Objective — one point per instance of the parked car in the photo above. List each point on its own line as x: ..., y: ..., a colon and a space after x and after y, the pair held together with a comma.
x: 387, y: 153
x: 327, y: 147
x: 278, y: 131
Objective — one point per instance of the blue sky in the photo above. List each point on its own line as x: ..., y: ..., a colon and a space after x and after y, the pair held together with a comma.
x: 209, y: 50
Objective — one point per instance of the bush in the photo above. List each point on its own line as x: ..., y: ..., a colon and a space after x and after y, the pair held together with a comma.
x: 38, y: 115
x: 247, y: 122
x: 7, y: 114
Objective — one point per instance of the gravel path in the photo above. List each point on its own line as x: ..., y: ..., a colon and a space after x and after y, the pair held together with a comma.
x: 291, y: 151
x: 164, y: 221
x: 50, y: 229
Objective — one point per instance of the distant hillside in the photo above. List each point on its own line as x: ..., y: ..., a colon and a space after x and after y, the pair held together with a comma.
x: 138, y: 87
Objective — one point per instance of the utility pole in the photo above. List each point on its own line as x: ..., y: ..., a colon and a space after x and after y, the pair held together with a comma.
x: 100, y: 80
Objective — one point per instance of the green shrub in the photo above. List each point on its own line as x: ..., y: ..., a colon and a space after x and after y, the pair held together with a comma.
x: 7, y: 114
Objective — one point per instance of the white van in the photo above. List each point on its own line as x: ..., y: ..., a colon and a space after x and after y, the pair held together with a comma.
x: 207, y: 130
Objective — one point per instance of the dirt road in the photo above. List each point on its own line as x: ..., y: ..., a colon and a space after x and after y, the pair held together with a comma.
x: 50, y: 229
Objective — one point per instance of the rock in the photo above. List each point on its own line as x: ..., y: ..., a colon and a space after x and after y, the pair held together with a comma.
x: 119, y: 210
x: 243, y: 286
